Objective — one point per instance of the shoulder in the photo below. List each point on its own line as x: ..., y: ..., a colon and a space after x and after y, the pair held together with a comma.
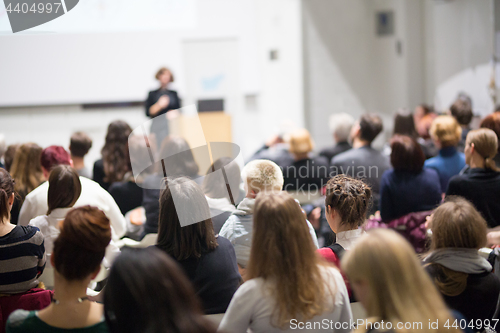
x: 342, y: 157
x: 428, y: 172
x: 224, y: 243
x: 41, y: 190
x: 39, y: 221
x: 328, y: 254
x: 20, y: 320
x: 388, y: 174
x: 432, y: 162
x: 321, y: 160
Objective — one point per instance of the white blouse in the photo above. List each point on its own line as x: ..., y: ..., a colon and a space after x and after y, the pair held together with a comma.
x: 251, y: 307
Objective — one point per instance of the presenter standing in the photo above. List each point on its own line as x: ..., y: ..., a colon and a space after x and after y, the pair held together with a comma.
x: 162, y: 104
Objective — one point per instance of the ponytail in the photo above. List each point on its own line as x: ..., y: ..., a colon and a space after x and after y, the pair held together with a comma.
x: 6, y: 190
x: 489, y: 163
x: 4, y: 206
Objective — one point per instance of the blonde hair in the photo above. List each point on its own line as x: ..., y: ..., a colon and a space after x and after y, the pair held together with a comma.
x: 486, y: 144
x: 163, y: 70
x: 283, y: 252
x: 399, y: 288
x: 262, y: 175
x: 26, y: 168
x: 301, y: 142
x: 456, y: 224
x: 447, y: 130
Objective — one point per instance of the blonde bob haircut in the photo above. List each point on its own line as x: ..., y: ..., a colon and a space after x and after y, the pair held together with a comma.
x: 283, y: 253
x: 163, y: 70
x: 447, y: 130
x: 262, y: 176
x: 301, y: 142
x: 486, y: 145
x: 399, y: 289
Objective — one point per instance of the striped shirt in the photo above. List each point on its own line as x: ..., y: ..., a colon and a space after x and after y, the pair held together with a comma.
x: 22, y: 259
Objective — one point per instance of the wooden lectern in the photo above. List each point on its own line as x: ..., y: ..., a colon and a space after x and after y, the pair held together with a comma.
x: 215, y: 127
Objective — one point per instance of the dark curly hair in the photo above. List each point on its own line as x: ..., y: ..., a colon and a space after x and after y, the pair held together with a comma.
x: 115, y: 155
x: 350, y: 197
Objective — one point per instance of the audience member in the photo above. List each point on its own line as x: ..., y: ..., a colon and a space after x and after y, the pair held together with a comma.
x: 208, y: 260
x: 78, y: 252
x: 492, y: 122
x: 27, y: 173
x: 340, y: 127
x: 363, y: 161
x: 389, y: 281
x: 275, y: 149
x: 222, y: 190
x: 114, y: 163
x: 177, y: 161
x: 22, y: 252
x: 424, y: 116
x: 446, y: 133
x: 147, y: 292
x: 92, y: 194
x: 461, y: 110
x: 306, y: 173
x: 463, y: 277
x: 481, y: 183
x: 259, y: 176
x: 9, y: 156
x: 127, y: 193
x: 408, y: 187
x: 79, y: 145
x: 287, y: 282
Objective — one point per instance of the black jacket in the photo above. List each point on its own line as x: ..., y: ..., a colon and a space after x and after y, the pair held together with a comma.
x: 154, y: 96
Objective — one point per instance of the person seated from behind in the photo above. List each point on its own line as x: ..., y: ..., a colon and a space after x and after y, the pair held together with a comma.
x: 288, y: 283
x: 306, y: 173
x: 446, y: 133
x: 492, y: 122
x: 259, y: 176
x: 22, y: 251
x: 408, y: 187
x: 178, y: 161
x: 363, y: 161
x: 92, y: 194
x: 221, y: 196
x: 340, y: 127
x: 186, y: 234
x: 8, y: 157
x: 480, y: 184
x: 77, y: 255
x: 389, y: 281
x: 463, y: 277
x: 28, y: 174
x: 79, y: 145
x: 166, y: 303
x: 275, y: 149
x: 461, y: 110
x: 114, y: 164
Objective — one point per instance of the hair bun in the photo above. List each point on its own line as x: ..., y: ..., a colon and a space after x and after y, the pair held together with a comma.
x: 87, y: 227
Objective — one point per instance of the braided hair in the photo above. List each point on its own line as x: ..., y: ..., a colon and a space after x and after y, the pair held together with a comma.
x: 350, y: 197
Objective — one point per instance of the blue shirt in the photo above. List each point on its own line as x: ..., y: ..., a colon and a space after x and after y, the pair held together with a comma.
x: 403, y: 192
x: 448, y: 163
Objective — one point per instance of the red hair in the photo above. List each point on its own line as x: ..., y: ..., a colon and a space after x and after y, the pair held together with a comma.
x: 53, y: 156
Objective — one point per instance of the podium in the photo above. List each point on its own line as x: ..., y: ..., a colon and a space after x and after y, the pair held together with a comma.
x: 201, y: 129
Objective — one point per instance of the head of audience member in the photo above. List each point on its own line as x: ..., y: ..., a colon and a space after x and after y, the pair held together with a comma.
x: 177, y: 157
x: 445, y: 132
x: 404, y: 124
x: 261, y: 176
x: 346, y: 203
x: 492, y: 122
x: 406, y: 154
x: 53, y: 156
x: 10, y: 153
x: 115, y: 154
x: 215, y: 187
x: 390, y: 282
x: 164, y: 76
x: 79, y: 145
x: 139, y: 158
x: 424, y: 115
x: 461, y: 110
x: 7, y: 194
x: 145, y: 283
x: 301, y: 144
x: 80, y: 247
x: 185, y: 228
x: 64, y: 188
x: 340, y: 126
x: 365, y: 130
x: 481, y: 146
x: 26, y: 168
x: 279, y: 232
